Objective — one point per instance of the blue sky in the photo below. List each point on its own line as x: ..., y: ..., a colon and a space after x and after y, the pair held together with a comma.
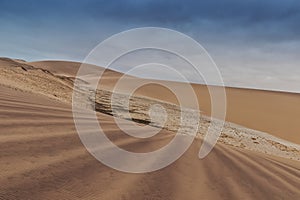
x: 254, y: 43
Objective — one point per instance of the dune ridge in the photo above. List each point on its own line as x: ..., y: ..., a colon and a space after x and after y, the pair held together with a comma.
x: 42, y: 156
x: 276, y: 113
x: 62, y: 88
x: 51, y: 81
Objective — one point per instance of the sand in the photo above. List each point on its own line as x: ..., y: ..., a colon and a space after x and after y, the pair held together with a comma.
x: 42, y: 156
x: 276, y: 113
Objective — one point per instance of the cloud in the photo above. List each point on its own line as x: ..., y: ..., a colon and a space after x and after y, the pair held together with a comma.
x: 273, y: 17
x: 258, y: 39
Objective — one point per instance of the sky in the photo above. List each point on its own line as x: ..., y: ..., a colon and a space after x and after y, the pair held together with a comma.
x: 254, y: 43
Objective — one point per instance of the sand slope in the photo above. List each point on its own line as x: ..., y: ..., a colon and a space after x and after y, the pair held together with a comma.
x: 276, y: 113
x: 50, y: 78
x: 43, y: 158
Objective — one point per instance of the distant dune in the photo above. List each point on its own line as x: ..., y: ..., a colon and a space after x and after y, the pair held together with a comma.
x: 276, y: 113
x: 42, y: 156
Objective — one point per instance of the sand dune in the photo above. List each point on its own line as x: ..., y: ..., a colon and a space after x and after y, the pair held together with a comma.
x: 276, y: 113
x: 48, y: 78
x: 42, y: 156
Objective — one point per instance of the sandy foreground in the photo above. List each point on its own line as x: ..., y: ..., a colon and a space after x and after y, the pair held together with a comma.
x: 42, y: 156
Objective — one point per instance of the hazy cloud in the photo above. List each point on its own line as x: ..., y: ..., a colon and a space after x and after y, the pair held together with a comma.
x: 255, y: 43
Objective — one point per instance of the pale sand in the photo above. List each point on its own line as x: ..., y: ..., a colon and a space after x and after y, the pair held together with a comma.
x: 55, y: 80
x: 276, y: 113
x: 43, y: 158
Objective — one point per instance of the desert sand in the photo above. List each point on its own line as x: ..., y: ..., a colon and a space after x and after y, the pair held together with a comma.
x: 42, y: 156
x: 273, y: 112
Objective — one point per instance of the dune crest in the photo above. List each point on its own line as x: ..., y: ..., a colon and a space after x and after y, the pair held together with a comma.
x: 51, y: 79
x: 276, y: 113
x: 42, y: 156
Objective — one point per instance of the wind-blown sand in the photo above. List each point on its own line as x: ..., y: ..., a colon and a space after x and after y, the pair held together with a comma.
x: 43, y: 158
x: 276, y: 113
